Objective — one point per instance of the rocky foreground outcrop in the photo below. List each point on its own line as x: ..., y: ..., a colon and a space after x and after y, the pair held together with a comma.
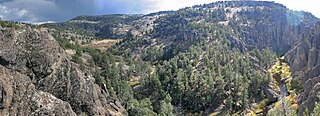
x: 36, y: 77
x: 304, y: 59
x: 20, y: 97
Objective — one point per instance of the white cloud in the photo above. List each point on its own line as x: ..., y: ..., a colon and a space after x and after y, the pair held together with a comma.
x: 22, y: 13
x: 26, y: 10
x: 13, y: 13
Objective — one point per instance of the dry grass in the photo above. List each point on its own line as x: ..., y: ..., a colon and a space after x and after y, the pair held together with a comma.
x: 102, y: 44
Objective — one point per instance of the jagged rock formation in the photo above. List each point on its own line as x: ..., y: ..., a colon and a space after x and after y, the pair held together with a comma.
x: 20, y: 97
x: 271, y: 94
x: 304, y: 58
x: 46, y: 74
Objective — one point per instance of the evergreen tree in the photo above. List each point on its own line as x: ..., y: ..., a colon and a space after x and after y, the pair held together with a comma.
x: 166, y: 109
x: 316, y: 109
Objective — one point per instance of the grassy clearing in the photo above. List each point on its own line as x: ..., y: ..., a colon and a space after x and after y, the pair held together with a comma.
x: 106, y: 43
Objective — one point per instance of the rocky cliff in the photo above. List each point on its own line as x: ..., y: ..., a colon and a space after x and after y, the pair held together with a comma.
x: 38, y: 78
x: 304, y: 59
x: 20, y: 97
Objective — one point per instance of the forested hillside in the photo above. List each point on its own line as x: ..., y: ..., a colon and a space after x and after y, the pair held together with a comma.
x: 207, y: 59
x: 223, y: 58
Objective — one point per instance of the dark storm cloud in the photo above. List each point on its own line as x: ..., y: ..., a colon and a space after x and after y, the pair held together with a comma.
x: 71, y: 7
x: 61, y: 10
x: 44, y: 10
x: 2, y: 1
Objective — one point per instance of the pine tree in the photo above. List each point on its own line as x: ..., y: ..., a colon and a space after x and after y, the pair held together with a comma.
x: 166, y: 109
x: 141, y: 108
x: 316, y: 109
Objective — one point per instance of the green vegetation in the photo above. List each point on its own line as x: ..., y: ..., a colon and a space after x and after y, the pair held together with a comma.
x: 282, y: 109
x: 316, y: 109
x: 287, y: 104
x: 194, y: 61
x: 9, y: 24
x: 281, y: 74
x: 201, y: 78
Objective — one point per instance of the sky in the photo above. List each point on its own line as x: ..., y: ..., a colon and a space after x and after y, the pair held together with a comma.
x: 39, y: 11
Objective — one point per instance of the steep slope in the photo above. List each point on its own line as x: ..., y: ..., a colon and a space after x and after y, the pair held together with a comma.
x: 35, y: 54
x: 246, y: 25
x: 304, y: 58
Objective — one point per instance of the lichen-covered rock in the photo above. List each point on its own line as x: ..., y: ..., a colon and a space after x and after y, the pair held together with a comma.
x: 20, y: 97
x: 36, y: 54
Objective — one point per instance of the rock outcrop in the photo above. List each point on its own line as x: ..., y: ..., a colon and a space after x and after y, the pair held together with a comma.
x: 47, y: 74
x: 271, y: 94
x: 20, y: 97
x: 304, y: 59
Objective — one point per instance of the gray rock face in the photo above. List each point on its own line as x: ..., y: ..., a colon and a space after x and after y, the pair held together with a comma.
x: 271, y: 95
x: 36, y: 54
x: 304, y: 60
x: 20, y: 97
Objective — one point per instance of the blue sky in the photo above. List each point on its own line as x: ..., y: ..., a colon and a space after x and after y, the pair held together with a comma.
x: 35, y: 11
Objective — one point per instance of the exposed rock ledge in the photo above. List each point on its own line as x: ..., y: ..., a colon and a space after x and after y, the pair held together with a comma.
x: 47, y: 74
